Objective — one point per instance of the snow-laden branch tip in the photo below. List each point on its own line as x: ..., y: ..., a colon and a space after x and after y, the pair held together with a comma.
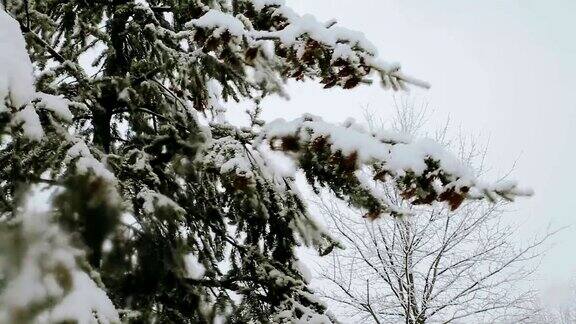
x: 422, y: 169
x: 17, y: 83
x: 302, y: 31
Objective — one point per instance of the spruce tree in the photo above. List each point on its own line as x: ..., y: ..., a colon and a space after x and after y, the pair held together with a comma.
x: 162, y: 211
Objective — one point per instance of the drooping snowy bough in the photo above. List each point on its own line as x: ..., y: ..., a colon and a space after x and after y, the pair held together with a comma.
x: 348, y: 159
x: 178, y: 215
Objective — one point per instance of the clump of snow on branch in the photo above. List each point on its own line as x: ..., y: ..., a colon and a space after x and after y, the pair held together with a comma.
x: 17, y: 83
x: 30, y: 121
x: 47, y: 283
x: 86, y: 162
x: 297, y: 30
x: 16, y: 73
x: 57, y: 105
x: 92, y: 299
x: 220, y: 21
x: 228, y: 155
x: 215, y: 102
x: 390, y: 155
x: 194, y: 269
x: 153, y: 200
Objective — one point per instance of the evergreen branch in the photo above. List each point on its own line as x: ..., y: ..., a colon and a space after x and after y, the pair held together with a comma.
x: 44, y: 44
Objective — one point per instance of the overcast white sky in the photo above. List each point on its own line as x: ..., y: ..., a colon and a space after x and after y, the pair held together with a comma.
x: 503, y: 68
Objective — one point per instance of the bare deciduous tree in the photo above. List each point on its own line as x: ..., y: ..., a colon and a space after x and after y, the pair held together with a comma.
x: 435, y: 266
x: 559, y: 309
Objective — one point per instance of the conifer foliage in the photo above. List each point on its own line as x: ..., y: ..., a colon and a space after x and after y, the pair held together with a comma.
x: 162, y: 210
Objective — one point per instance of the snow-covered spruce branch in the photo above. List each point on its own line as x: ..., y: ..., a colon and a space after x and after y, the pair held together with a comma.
x: 46, y: 278
x: 337, y: 55
x: 340, y: 156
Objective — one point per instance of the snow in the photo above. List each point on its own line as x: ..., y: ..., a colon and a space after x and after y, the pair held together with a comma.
x: 324, y: 33
x: 85, y: 303
x: 215, y: 101
x: 89, y: 163
x: 78, y: 149
x: 195, y: 270
x: 46, y: 261
x: 239, y: 164
x: 349, y: 45
x: 220, y: 21
x: 277, y: 163
x: 313, y: 318
x: 345, y: 52
x: 298, y: 26
x: 349, y: 139
x: 30, y: 122
x: 17, y: 82
x: 299, y: 314
x: 57, y: 105
x: 318, y: 31
x: 307, y: 24
x: 28, y: 118
x: 86, y: 162
x: 228, y: 155
x: 304, y: 271
x: 508, y: 185
x: 16, y: 77
x: 396, y: 157
x: 16, y: 73
x: 154, y: 200
x: 341, y: 138
x: 411, y: 156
